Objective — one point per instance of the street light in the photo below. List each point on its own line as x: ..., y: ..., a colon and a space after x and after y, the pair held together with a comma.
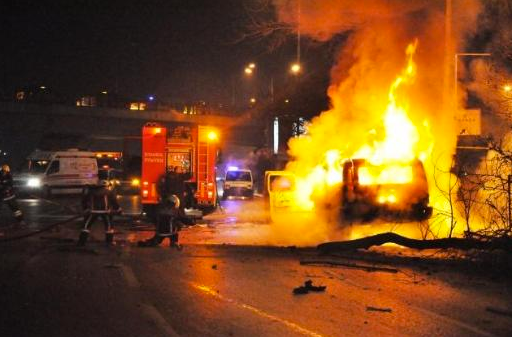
x: 248, y: 71
x: 295, y: 68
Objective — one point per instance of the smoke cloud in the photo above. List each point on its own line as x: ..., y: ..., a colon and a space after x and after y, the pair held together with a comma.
x: 368, y: 63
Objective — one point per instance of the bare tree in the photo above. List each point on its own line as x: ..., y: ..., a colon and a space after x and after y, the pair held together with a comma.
x: 447, y: 192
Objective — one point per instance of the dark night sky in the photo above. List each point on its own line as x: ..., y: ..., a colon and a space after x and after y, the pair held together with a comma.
x: 176, y: 49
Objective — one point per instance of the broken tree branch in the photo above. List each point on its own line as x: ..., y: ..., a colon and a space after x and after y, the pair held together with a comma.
x: 504, y: 243
x: 348, y: 265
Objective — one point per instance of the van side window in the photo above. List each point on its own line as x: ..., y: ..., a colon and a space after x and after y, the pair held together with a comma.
x: 54, y: 167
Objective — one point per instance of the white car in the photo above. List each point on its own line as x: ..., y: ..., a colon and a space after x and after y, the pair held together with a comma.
x: 238, y: 182
x: 50, y: 172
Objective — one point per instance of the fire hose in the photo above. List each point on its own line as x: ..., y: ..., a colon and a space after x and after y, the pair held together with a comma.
x: 39, y: 231
x: 51, y: 226
x: 44, y: 229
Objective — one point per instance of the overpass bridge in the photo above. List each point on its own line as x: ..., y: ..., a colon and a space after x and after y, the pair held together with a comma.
x: 25, y: 127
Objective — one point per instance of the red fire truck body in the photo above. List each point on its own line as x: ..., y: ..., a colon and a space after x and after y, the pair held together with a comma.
x: 194, y: 149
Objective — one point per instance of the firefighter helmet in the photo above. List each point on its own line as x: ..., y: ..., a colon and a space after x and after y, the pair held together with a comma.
x: 173, y: 200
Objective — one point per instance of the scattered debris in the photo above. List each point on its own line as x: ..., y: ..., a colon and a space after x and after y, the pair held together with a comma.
x: 214, y: 266
x: 300, y: 290
x: 369, y: 308
x: 499, y: 311
x: 504, y: 243
x: 349, y: 265
x: 307, y: 287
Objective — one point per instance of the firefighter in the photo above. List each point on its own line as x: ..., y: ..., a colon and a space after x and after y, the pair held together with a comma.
x: 99, y: 201
x: 7, y: 194
x: 168, y: 222
x: 174, y: 183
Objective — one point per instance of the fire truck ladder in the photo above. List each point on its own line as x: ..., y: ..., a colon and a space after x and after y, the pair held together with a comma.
x: 202, y: 166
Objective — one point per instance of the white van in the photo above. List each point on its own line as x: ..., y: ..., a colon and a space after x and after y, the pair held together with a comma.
x: 57, y: 172
x: 238, y: 182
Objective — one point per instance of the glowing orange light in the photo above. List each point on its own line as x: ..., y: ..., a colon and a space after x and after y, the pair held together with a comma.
x: 295, y: 68
x: 212, y: 135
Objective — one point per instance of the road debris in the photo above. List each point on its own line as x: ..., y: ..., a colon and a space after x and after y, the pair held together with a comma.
x: 307, y: 287
x: 443, y: 243
x: 369, y: 308
x: 349, y: 265
x: 214, y: 266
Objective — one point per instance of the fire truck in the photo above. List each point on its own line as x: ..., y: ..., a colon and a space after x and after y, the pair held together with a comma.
x: 192, y: 148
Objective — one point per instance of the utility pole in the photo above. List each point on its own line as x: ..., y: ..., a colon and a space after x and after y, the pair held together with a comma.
x: 448, y: 52
x: 509, y: 181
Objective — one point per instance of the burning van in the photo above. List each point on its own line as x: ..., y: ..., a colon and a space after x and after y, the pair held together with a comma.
x: 399, y: 190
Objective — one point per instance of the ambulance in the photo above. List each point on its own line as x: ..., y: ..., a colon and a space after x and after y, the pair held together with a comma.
x: 54, y: 172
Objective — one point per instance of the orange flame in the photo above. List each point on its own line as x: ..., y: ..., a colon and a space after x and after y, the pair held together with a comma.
x: 394, y: 141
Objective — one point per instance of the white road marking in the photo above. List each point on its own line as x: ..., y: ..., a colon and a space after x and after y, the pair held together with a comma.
x: 157, y: 317
x: 455, y: 322
x: 130, y: 277
x: 148, y: 309
x: 293, y: 326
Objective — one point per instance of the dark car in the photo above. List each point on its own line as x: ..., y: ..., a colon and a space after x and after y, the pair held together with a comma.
x: 399, y: 190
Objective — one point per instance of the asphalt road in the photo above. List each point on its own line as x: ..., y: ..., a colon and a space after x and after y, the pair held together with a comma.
x: 229, y: 280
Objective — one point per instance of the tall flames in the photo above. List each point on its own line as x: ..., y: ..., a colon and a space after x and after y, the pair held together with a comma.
x: 383, y: 109
x: 392, y: 141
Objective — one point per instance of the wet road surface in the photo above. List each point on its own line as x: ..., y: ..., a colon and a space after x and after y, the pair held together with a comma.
x: 49, y: 287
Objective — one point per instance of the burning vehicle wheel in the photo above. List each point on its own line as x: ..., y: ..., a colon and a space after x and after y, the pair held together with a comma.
x: 421, y: 211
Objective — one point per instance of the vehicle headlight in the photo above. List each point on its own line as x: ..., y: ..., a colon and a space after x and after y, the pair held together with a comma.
x: 34, y: 182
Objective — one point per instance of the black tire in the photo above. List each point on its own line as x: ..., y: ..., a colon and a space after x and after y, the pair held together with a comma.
x: 421, y: 212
